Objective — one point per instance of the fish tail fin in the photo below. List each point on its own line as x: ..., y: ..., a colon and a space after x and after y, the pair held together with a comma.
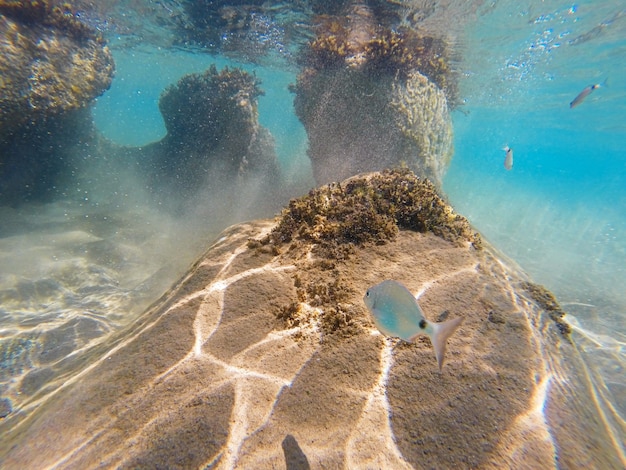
x: 506, y: 148
x: 605, y: 83
x: 439, y: 337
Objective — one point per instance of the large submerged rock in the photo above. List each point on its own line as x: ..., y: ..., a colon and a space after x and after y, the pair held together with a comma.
x: 213, y: 135
x: 52, y: 67
x: 264, y: 356
x: 371, y: 97
x: 51, y: 62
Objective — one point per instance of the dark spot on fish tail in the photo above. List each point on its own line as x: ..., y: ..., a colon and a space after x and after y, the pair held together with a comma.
x: 422, y: 323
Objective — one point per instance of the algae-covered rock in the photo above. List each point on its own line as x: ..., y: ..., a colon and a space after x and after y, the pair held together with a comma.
x: 213, y: 133
x: 372, y: 98
x: 200, y: 106
x: 370, y: 208
x: 422, y: 115
x: 260, y: 357
x: 51, y: 62
x: 52, y: 67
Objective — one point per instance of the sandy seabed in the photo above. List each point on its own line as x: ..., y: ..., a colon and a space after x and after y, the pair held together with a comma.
x: 212, y: 376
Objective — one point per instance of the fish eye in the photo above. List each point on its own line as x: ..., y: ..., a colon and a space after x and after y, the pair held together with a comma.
x: 367, y: 293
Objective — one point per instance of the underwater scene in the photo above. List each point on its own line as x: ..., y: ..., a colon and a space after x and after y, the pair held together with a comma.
x: 312, y: 234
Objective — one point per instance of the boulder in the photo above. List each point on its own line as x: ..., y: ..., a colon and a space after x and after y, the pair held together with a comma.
x: 264, y: 356
x: 52, y: 66
x: 372, y: 97
x: 213, y: 136
x: 51, y: 62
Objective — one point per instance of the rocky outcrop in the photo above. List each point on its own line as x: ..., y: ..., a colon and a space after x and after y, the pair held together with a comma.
x: 372, y: 98
x: 214, y: 138
x: 214, y: 145
x: 264, y: 355
x: 51, y: 63
x: 51, y: 68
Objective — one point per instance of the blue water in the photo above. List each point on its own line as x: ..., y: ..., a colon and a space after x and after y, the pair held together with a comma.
x: 560, y: 213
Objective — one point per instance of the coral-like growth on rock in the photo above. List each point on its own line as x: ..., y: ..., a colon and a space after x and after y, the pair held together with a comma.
x: 214, y: 138
x: 359, y: 123
x: 43, y: 12
x: 369, y: 209
x: 52, y: 66
x: 51, y: 62
x: 379, y: 51
x: 548, y: 301
x: 421, y: 114
x: 333, y: 222
x: 372, y: 97
x: 207, y: 103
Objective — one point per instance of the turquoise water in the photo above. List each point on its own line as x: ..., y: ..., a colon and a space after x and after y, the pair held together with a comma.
x: 560, y: 213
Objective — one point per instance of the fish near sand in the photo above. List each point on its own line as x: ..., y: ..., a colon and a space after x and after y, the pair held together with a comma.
x: 397, y: 313
x: 586, y: 92
x: 508, y: 159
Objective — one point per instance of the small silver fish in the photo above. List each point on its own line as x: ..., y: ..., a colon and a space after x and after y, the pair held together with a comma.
x: 508, y: 159
x: 586, y: 92
x: 397, y: 313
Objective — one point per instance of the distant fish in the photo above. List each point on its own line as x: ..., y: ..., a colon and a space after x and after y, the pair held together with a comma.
x: 508, y: 159
x: 586, y: 92
x: 397, y: 313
